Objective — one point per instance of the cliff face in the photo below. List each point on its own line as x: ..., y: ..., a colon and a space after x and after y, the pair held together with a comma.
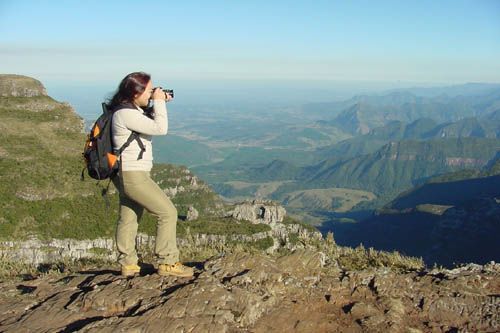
x: 467, y: 233
x: 301, y: 292
x: 454, y: 220
x: 39, y: 252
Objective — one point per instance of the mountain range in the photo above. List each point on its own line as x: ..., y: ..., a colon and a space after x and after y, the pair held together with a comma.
x: 434, y: 135
x: 362, y: 113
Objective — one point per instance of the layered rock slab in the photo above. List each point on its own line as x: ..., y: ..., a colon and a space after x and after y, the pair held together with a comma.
x: 299, y: 292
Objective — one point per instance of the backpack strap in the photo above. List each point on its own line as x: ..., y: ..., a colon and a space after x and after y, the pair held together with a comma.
x: 133, y: 136
x: 141, y: 145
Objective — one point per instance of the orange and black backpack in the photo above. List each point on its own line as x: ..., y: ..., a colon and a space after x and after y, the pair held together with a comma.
x: 101, y: 160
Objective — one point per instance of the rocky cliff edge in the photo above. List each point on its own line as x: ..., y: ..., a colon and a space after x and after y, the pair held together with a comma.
x: 241, y: 292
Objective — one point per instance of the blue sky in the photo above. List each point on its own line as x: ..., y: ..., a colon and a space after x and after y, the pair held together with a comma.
x: 409, y: 41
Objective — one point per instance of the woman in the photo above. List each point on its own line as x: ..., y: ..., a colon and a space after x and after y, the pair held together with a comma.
x: 137, y: 189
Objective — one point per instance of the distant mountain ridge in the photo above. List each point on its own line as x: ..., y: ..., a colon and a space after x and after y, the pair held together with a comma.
x: 452, y: 188
x: 328, y: 110
x: 447, y: 193
x: 486, y: 126
x: 362, y: 117
x: 394, y: 167
x: 400, y: 163
x: 360, y: 114
x: 467, y: 89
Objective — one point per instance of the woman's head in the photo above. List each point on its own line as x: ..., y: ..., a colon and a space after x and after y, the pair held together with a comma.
x: 134, y: 88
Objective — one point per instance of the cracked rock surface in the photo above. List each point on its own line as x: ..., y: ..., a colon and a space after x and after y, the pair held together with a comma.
x: 245, y: 292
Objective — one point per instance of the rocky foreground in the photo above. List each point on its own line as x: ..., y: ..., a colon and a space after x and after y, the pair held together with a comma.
x: 243, y: 292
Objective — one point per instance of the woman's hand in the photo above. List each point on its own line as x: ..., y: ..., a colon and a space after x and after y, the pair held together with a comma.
x: 158, y: 94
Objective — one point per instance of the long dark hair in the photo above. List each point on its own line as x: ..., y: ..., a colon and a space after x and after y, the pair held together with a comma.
x: 131, y: 85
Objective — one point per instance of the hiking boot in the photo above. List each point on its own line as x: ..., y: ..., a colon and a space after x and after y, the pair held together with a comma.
x: 176, y: 269
x: 130, y: 270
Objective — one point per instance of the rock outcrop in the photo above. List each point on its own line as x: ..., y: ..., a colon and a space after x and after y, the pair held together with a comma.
x: 242, y: 292
x: 12, y: 85
x: 259, y: 211
x: 192, y: 214
x: 35, y: 251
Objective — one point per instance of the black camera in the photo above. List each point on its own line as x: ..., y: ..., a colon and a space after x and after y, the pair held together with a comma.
x: 169, y: 92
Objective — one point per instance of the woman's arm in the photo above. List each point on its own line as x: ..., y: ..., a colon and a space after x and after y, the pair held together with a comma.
x: 137, y: 122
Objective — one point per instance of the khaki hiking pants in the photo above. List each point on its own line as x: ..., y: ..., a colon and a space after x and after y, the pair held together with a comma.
x: 139, y: 191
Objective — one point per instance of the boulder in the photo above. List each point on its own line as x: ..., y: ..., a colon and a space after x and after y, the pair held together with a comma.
x: 192, y: 214
x: 259, y: 211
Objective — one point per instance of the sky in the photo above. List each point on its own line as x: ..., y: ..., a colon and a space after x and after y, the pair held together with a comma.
x: 409, y: 41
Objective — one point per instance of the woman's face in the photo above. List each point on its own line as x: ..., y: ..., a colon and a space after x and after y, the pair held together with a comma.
x: 143, y: 99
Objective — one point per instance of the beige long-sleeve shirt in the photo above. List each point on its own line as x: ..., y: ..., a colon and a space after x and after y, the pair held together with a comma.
x: 127, y: 120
